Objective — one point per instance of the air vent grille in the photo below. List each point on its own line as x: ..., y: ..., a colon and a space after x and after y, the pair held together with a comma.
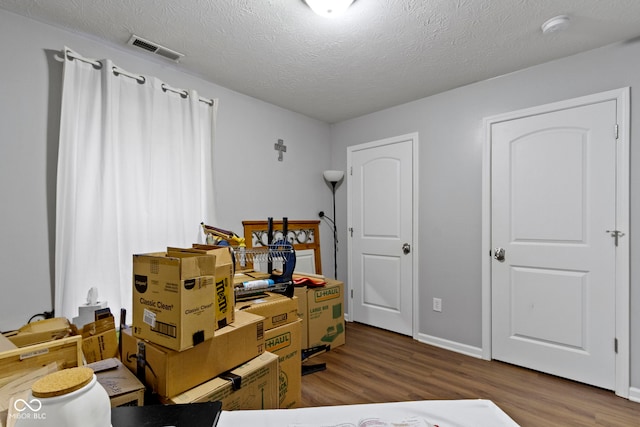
x: 144, y: 45
x: 152, y: 47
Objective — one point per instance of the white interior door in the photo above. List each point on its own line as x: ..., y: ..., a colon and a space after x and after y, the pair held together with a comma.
x: 553, y: 212
x: 380, y: 183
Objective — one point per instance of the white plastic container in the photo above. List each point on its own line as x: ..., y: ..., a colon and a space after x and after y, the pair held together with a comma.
x: 87, y: 406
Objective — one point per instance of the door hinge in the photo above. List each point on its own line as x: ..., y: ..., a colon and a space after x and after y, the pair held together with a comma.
x: 351, y: 170
x: 615, y: 345
x: 616, y: 130
x: 351, y: 231
x: 351, y: 293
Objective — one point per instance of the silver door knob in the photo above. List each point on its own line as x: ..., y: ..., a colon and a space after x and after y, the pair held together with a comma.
x: 406, y: 248
x: 498, y: 254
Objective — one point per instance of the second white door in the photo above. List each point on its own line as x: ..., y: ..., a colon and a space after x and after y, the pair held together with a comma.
x: 553, y: 191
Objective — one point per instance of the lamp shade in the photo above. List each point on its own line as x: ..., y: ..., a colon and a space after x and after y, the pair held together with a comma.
x: 329, y: 8
x: 333, y: 176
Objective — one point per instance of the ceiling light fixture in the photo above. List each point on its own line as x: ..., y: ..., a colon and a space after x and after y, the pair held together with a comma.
x: 557, y: 23
x: 329, y: 8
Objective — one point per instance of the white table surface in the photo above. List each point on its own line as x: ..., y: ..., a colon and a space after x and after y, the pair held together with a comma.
x: 444, y: 413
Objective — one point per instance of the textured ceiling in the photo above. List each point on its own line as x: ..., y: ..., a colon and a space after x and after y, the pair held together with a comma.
x: 379, y: 54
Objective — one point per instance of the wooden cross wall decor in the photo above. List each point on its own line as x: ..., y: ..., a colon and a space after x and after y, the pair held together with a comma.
x: 280, y: 148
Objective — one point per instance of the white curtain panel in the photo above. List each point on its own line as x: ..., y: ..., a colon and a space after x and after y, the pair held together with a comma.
x: 134, y: 176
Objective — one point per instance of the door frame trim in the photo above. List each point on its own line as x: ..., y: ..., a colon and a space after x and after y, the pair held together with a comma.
x: 413, y: 137
x: 622, y: 285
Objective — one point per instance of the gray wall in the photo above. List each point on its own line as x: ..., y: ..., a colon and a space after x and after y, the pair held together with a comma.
x: 251, y: 183
x: 451, y: 135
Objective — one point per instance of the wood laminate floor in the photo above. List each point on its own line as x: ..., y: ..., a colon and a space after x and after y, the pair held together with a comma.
x: 380, y: 366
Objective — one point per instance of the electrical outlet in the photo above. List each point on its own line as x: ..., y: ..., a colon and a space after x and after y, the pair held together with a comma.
x: 437, y: 304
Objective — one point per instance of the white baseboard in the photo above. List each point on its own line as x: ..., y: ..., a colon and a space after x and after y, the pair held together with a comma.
x: 634, y: 394
x: 451, y: 345
x: 446, y: 344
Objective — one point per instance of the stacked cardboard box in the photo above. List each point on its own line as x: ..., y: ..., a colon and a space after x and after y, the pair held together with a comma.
x: 322, y: 312
x: 186, y: 358
x: 224, y: 297
x: 173, y: 298
x: 185, y: 330
x: 313, y: 317
x: 181, y: 296
x: 252, y: 385
x: 325, y: 309
x: 276, y: 309
x: 285, y: 342
x: 168, y: 372
x: 282, y: 337
x: 279, y: 388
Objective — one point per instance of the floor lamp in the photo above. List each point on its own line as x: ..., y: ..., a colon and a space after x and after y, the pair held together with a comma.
x: 333, y: 177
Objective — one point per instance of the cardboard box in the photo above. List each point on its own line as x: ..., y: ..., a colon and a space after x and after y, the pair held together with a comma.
x: 225, y: 297
x: 276, y: 309
x: 123, y: 388
x: 252, y: 385
x: 326, y: 315
x: 41, y: 331
x: 301, y: 293
x: 169, y: 373
x: 173, y: 299
x: 284, y: 341
x: 99, y: 340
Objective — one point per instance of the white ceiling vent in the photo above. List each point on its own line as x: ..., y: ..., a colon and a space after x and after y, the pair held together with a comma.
x: 152, y: 47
